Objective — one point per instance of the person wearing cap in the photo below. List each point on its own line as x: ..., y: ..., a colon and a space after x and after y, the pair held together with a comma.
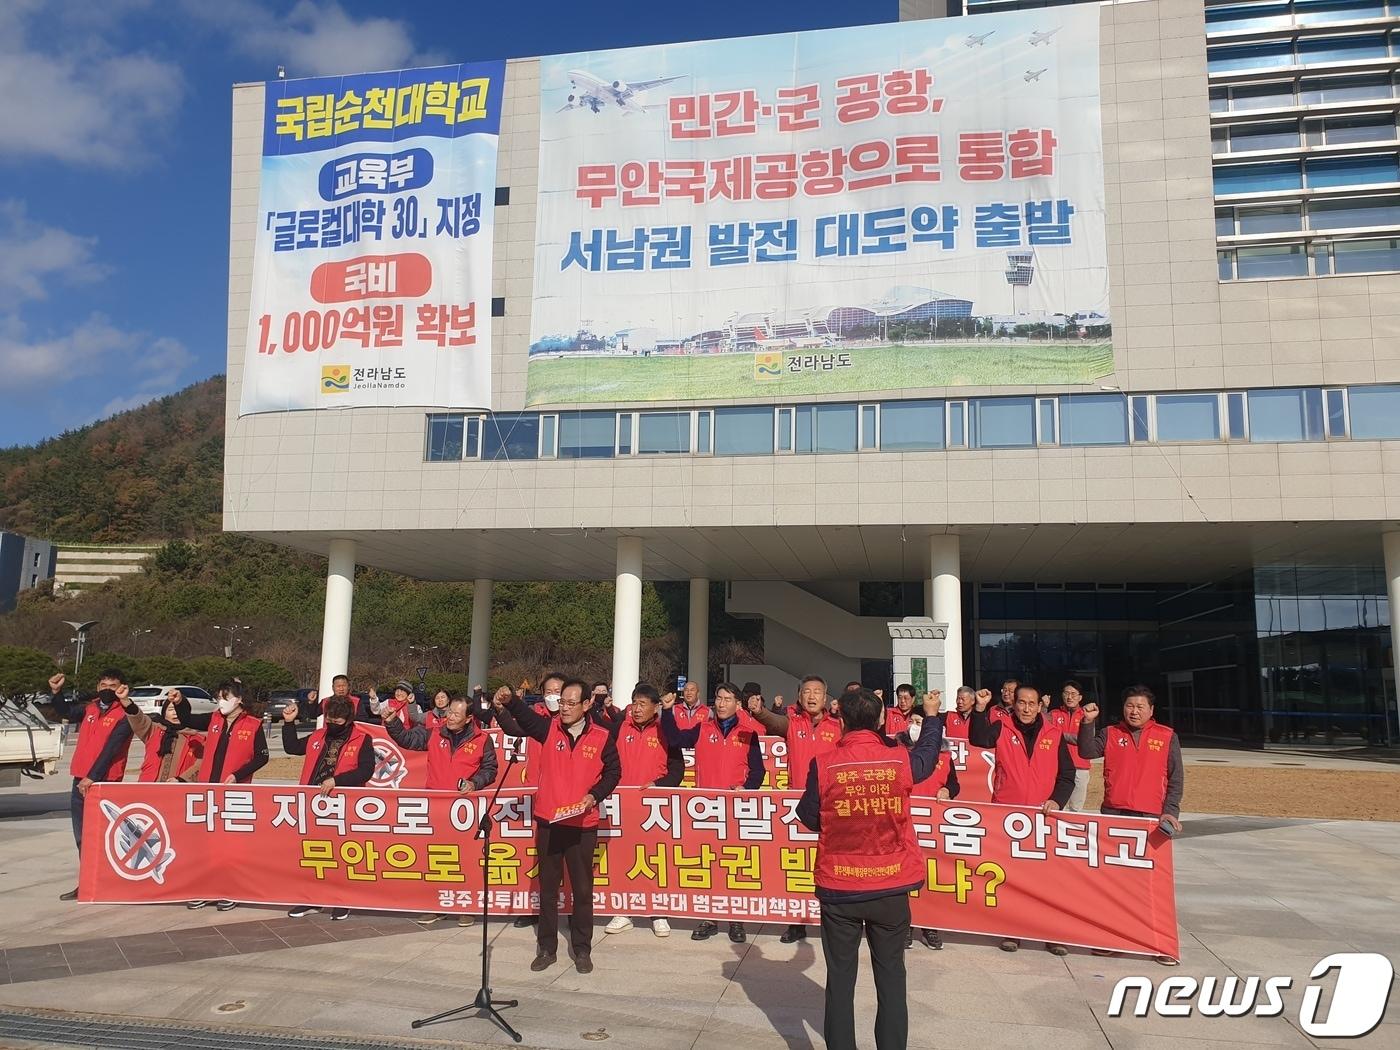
x: 400, y: 707
x: 751, y: 689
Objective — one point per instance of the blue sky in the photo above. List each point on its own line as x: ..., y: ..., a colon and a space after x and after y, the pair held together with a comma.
x: 114, y: 147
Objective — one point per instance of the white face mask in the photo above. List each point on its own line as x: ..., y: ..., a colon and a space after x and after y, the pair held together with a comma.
x: 914, y: 729
x: 551, y: 701
x: 227, y: 704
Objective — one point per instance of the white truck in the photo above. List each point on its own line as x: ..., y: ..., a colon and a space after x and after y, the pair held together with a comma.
x: 30, y: 745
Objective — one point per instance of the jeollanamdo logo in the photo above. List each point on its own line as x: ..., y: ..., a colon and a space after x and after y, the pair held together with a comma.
x: 137, y: 841
x: 768, y: 364
x: 1358, y: 996
x: 335, y: 379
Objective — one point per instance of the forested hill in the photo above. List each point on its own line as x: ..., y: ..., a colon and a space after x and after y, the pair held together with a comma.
x: 154, y: 473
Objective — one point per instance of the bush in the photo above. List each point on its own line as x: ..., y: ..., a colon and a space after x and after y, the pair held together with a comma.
x: 95, y: 663
x: 24, y: 670
x: 263, y: 675
x: 162, y: 670
x: 209, y: 671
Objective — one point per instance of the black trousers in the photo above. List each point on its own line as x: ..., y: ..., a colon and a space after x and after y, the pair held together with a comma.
x: 75, y: 810
x: 884, y: 924
x: 561, y: 846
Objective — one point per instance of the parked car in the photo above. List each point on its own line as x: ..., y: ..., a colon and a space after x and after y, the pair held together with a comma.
x: 280, y: 698
x: 151, y: 698
x: 30, y: 745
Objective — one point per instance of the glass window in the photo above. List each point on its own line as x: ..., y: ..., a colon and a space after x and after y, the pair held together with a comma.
x: 1250, y: 56
x: 1234, y: 407
x: 1285, y: 415
x: 663, y: 433
x: 445, y: 438
x: 834, y: 428
x: 1219, y: 100
x: 549, y: 426
x: 1235, y: 17
x: 1225, y: 223
x: 744, y: 431
x: 1245, y: 137
x: 1003, y: 422
x: 784, y: 430
x: 1345, y: 89
x: 1278, y: 218
x: 802, y: 429
x: 1141, y: 429
x: 1375, y: 411
x: 1258, y: 178
x: 1322, y: 258
x: 869, y: 425
x: 1093, y: 419
x: 906, y: 425
x: 1188, y: 417
x: 1316, y: 12
x: 1366, y: 256
x: 1045, y: 409
x: 587, y: 435
x: 511, y: 435
x: 1341, y: 48
x: 1336, y: 413
x: 1373, y: 127
x: 1225, y: 265
x: 1219, y: 140
x: 1276, y: 95
x: 624, y: 434
x: 1352, y: 171
x: 703, y: 425
x: 1354, y: 211
x: 957, y: 424
x: 1273, y: 260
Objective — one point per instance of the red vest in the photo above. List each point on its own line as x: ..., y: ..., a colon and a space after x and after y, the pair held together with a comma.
x: 92, y: 738
x: 354, y: 704
x: 432, y: 720
x: 723, y: 761
x: 394, y: 709
x: 867, y: 839
x: 1068, y: 722
x: 805, y: 742
x: 189, y: 754
x: 1135, y: 774
x: 568, y: 773
x: 642, y: 753
x: 447, y: 766
x: 238, y: 752
x: 939, y: 778
x: 955, y: 725
x: 997, y: 713
x: 896, y: 721
x: 346, y: 761
x: 1022, y: 781
x: 688, y: 719
x: 530, y: 774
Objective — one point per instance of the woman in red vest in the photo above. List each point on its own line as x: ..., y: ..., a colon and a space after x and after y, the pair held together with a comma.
x: 1034, y: 767
x: 402, y: 707
x: 809, y: 732
x: 434, y: 716
x: 173, y: 746
x: 868, y: 862
x: 577, y: 767
x: 339, y: 754
x: 727, y: 757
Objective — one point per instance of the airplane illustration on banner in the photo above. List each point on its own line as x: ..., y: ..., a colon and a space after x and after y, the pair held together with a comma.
x: 978, y: 39
x: 1039, y: 37
x: 1033, y: 74
x: 595, y: 95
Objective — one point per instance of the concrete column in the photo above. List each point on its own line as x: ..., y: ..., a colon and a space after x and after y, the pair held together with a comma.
x: 1390, y: 545
x: 697, y: 667
x: 479, y: 655
x: 945, y: 592
x: 340, y: 597
x: 627, y: 619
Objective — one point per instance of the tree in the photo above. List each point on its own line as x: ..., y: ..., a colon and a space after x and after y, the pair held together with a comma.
x: 24, y: 671
x: 210, y: 671
x: 163, y: 670
x: 176, y: 557
x: 262, y: 675
x: 95, y: 663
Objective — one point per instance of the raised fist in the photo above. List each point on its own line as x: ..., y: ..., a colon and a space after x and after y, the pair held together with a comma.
x: 289, y: 713
x: 668, y: 701
x: 500, y: 696
x: 984, y: 697
x: 1090, y: 711
x: 933, y: 701
x: 123, y: 691
x: 56, y: 682
x: 755, y: 704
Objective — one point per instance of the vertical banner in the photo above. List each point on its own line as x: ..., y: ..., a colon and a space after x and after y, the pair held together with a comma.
x: 882, y: 207
x: 372, y: 266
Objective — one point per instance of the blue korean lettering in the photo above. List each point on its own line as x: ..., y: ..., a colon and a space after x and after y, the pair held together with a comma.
x: 934, y: 224
x: 626, y: 252
x: 375, y: 173
x: 838, y: 235
x: 585, y: 254
x: 883, y: 232
x: 1047, y: 222
x: 998, y: 225
x: 670, y: 247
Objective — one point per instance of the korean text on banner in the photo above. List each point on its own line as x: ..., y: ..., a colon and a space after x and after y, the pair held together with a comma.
x: 1075, y: 878
x: 372, y: 262
x: 881, y: 207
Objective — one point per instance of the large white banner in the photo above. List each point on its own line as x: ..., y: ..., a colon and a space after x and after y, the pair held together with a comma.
x: 916, y: 204
x: 372, y: 272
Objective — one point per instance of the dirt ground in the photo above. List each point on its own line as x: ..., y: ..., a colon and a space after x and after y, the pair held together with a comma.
x: 1329, y: 794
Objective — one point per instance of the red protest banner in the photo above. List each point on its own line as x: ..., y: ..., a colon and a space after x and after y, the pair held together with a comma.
x: 1082, y: 879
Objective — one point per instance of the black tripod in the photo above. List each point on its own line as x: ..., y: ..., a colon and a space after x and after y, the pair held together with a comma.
x: 483, y: 1003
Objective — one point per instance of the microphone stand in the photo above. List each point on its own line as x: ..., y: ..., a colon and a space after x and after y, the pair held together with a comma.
x: 483, y: 1004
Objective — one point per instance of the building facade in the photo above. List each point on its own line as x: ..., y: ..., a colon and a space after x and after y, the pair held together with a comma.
x: 1214, y: 518
x: 24, y: 563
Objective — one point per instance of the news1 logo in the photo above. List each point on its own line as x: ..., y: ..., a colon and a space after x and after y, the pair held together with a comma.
x: 1359, y: 996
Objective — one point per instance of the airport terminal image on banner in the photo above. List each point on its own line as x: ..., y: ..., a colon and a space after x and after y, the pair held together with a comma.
x: 1000, y: 341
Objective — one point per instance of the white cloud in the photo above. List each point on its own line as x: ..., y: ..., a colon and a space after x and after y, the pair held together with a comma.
x: 29, y: 361
x: 313, y: 39
x: 33, y: 254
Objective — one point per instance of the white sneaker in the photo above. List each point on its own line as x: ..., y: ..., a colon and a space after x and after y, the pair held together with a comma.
x: 619, y: 924
x: 661, y: 927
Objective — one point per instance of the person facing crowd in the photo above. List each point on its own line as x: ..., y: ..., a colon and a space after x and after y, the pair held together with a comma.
x: 1033, y: 764
x: 551, y: 687
x: 578, y: 768
x: 1068, y: 717
x: 727, y: 757
x: 868, y: 862
x: 339, y: 754
x: 809, y: 731
x: 646, y: 760
x: 104, y: 740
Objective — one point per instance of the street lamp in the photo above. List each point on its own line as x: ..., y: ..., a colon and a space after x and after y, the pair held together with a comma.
x: 232, y: 630
x: 136, y: 633
x: 80, y: 633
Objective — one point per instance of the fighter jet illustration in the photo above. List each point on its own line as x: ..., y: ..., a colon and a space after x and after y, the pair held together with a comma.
x: 1033, y: 74
x: 141, y: 849
x: 978, y: 39
x: 1039, y: 37
x: 591, y: 93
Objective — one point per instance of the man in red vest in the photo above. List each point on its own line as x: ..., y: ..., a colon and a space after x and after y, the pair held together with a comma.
x: 1068, y: 717
x: 551, y: 685
x: 727, y: 757
x: 955, y: 721
x: 898, y: 717
x: 1033, y: 768
x: 868, y: 861
x: 461, y: 758
x: 809, y: 731
x: 647, y: 761
x: 339, y: 754
x: 104, y: 738
x: 577, y: 767
x: 691, y: 711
